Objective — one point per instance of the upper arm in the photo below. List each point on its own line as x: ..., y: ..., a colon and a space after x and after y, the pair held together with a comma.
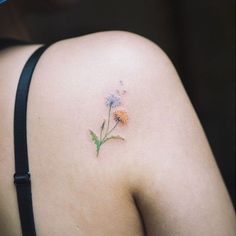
x: 176, y: 182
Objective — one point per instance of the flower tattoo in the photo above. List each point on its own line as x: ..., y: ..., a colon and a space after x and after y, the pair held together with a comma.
x: 113, y: 101
x: 120, y: 116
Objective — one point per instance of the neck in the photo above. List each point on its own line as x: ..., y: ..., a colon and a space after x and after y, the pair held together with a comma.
x: 11, y: 23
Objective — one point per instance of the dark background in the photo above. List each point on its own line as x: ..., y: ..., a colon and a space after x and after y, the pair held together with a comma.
x: 197, y: 35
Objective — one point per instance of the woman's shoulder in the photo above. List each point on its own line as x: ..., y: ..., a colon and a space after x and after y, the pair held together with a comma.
x: 70, y: 84
x: 69, y: 88
x: 78, y: 74
x: 109, y: 40
x: 111, y: 49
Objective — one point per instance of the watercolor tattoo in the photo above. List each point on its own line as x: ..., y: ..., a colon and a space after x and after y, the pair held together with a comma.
x: 114, y: 104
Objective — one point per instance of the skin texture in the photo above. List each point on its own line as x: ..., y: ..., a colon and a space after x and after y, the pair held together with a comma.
x: 162, y: 181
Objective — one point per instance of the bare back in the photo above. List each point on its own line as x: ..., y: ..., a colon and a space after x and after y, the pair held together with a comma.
x: 74, y: 192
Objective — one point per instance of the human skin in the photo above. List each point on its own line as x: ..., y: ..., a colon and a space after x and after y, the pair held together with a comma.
x: 163, y: 180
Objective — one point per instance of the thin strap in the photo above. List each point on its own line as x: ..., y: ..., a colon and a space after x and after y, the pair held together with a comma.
x: 22, y: 175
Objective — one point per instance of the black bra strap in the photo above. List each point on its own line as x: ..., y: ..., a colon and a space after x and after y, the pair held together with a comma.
x: 22, y: 175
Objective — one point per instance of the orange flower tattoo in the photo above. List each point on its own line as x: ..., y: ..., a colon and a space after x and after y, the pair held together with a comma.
x: 120, y: 117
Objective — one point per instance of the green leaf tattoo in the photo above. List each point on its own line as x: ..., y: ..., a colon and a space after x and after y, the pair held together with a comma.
x: 96, y: 140
x: 114, y: 137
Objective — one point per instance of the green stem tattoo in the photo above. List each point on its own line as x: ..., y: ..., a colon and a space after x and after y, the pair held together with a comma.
x: 109, y: 132
x: 109, y: 118
x: 105, y: 138
x: 99, y: 142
